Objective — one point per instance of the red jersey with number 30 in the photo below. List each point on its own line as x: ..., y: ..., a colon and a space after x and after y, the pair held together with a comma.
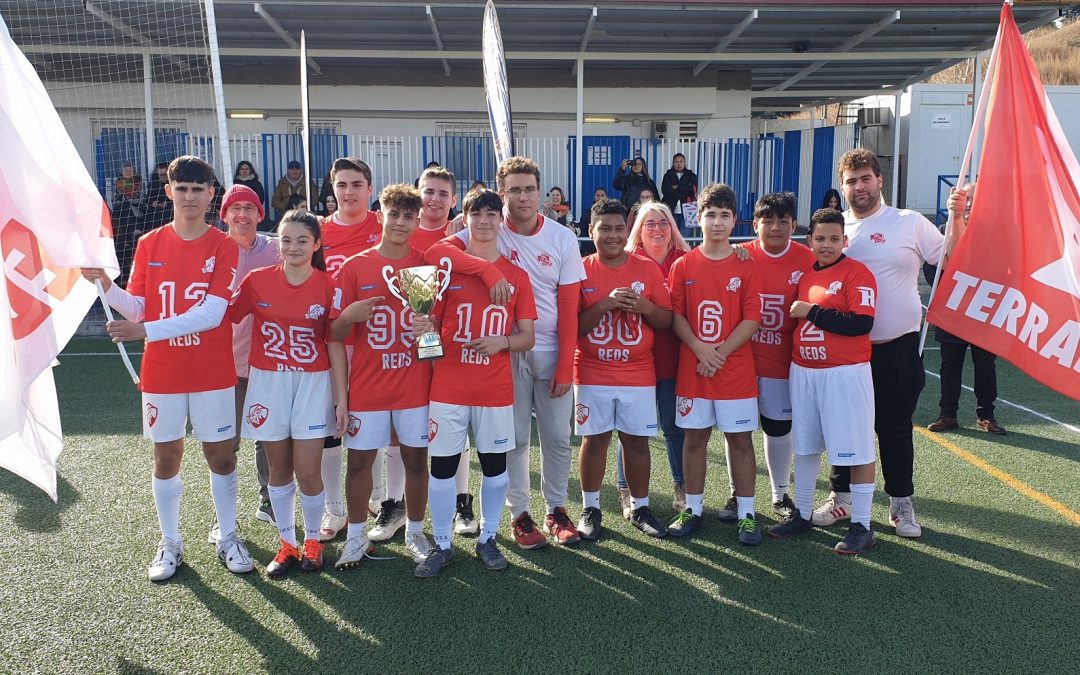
x: 291, y: 322
x: 780, y: 276
x: 341, y: 242
x: 618, y: 352
x: 715, y: 296
x: 846, y: 286
x: 465, y: 376
x: 173, y: 275
x: 384, y: 373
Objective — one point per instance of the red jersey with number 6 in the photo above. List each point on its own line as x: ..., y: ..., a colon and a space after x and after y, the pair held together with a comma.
x: 780, y: 276
x: 173, y: 275
x: 291, y: 322
x: 715, y: 296
x: 846, y: 286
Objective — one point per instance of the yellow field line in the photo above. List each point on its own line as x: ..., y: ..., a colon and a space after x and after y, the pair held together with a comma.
x: 1010, y: 480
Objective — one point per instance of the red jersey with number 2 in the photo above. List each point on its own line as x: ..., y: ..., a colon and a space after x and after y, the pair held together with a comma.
x: 846, y: 286
x: 341, y: 242
x: 780, y: 276
x: 715, y: 296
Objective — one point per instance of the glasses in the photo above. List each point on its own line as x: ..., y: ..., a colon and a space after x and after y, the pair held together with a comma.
x: 657, y: 225
x: 528, y: 192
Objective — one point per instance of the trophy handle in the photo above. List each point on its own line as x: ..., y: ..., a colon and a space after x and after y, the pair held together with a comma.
x: 390, y: 277
x: 443, y: 277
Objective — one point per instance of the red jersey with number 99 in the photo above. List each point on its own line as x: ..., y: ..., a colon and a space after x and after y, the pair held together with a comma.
x: 846, y: 286
x: 465, y: 376
x: 715, y: 296
x: 618, y: 352
x: 291, y: 322
x: 173, y: 275
x: 780, y: 276
x: 384, y: 373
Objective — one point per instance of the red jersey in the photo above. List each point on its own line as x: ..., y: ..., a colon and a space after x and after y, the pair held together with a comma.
x: 846, y: 286
x: 465, y: 376
x: 715, y: 296
x: 422, y: 239
x: 173, y: 275
x: 291, y: 324
x: 666, y: 343
x: 618, y: 352
x: 780, y: 276
x: 385, y: 373
x: 341, y: 242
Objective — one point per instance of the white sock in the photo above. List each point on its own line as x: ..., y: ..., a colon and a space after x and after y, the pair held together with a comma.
x: 225, y: 489
x: 745, y: 506
x: 778, y: 460
x: 283, y: 499
x: 461, y: 478
x: 312, y: 506
x: 862, y: 496
x: 806, y: 473
x: 441, y: 501
x: 355, y: 530
x: 590, y: 499
x: 492, y: 496
x: 414, y: 526
x: 331, y: 478
x: 730, y: 476
x: 378, y: 481
x: 167, y: 493
x: 638, y: 502
x: 695, y: 503
x: 395, y: 473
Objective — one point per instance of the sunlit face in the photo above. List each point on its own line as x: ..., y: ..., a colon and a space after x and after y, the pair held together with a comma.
x: 297, y: 243
x: 438, y: 198
x: 242, y: 218
x: 398, y: 224
x: 190, y: 200
x: 609, y: 233
x: 774, y: 233
x: 716, y: 223
x: 556, y: 197
x: 483, y: 224
x: 656, y: 232
x: 862, y: 189
x: 352, y: 191
x: 828, y: 242
x: 521, y: 195
x: 678, y: 163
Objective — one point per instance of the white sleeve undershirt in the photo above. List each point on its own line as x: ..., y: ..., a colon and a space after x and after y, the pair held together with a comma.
x: 203, y: 316
x: 131, y: 307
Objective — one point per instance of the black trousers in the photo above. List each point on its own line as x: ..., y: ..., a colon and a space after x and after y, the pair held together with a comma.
x: 952, y: 367
x: 897, y: 370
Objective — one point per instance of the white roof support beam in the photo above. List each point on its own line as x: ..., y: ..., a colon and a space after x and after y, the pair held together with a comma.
x: 284, y: 35
x: 728, y: 39
x: 585, y: 39
x: 438, y: 38
x: 865, y: 35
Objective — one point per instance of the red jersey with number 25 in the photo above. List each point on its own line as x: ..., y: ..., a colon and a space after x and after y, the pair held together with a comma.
x: 465, y: 376
x: 846, y: 286
x: 715, y: 296
x: 780, y: 276
x: 173, y: 275
x: 341, y: 242
x: 618, y: 352
x: 291, y: 322
x: 384, y: 373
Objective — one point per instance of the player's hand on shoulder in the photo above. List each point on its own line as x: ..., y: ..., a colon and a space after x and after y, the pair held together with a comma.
x: 456, y: 225
x: 742, y: 252
x: 501, y: 292
x: 93, y: 274
x: 360, y: 311
x: 125, y: 331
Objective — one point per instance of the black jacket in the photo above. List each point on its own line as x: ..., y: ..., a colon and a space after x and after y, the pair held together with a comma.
x: 678, y: 190
x: 631, y: 184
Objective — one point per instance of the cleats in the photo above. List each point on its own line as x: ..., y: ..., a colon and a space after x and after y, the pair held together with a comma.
x: 433, y: 564
x: 856, y: 540
x: 391, y: 518
x: 331, y: 525
x: 684, y: 524
x: 418, y: 546
x: 169, y: 556
x: 465, y: 521
x: 785, y: 508
x: 287, y: 557
x: 792, y: 526
x: 312, y: 559
x: 490, y: 557
x: 589, y: 524
x: 353, y: 552
x: 643, y: 519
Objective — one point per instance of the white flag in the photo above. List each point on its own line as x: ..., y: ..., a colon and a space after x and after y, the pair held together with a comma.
x: 52, y: 221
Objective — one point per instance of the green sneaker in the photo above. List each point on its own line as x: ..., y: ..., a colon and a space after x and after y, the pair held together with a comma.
x: 749, y: 531
x: 684, y: 524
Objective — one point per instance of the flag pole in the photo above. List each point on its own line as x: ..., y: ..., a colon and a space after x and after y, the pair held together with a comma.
x: 119, y: 345
x: 305, y: 117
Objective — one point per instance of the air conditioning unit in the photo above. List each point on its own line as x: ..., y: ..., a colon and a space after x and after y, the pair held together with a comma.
x: 874, y: 117
x: 659, y: 130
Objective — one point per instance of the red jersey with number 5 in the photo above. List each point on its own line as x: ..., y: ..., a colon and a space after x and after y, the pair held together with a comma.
x: 780, y: 276
x: 341, y: 242
x: 846, y: 286
x: 618, y: 352
x: 291, y: 322
x: 715, y: 296
x: 173, y: 275
x: 384, y: 373
x: 465, y: 376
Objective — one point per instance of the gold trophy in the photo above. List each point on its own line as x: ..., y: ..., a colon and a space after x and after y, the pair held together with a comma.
x: 419, y: 288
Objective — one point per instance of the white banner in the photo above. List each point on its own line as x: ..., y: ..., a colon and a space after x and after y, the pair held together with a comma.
x: 496, y: 86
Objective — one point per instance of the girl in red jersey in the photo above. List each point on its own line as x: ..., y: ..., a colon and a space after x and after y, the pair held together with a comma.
x: 297, y: 376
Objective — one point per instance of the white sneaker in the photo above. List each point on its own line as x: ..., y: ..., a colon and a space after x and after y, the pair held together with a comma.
x: 169, y: 556
x: 465, y: 521
x: 355, y: 549
x: 214, y: 535
x: 902, y: 517
x: 331, y: 525
x: 832, y: 511
x: 418, y: 546
x: 234, y: 555
x: 391, y: 518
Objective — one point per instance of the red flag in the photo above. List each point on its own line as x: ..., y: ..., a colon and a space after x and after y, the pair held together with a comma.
x: 1012, y: 285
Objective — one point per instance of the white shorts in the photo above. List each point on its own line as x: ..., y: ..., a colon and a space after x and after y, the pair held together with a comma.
x: 370, y: 430
x: 834, y: 411
x: 493, y: 428
x: 212, y: 413
x: 602, y: 408
x: 731, y: 417
x: 288, y: 404
x: 774, y: 398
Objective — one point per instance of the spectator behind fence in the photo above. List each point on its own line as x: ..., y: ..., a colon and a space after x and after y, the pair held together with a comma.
x: 245, y: 175
x: 329, y: 205
x: 831, y: 200
x: 631, y: 179
x: 679, y: 186
x: 158, y: 207
x: 292, y: 183
x: 556, y: 208
x: 297, y: 202
x: 127, y: 205
x: 587, y: 246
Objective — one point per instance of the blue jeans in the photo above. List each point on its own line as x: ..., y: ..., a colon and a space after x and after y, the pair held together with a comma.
x: 673, y: 435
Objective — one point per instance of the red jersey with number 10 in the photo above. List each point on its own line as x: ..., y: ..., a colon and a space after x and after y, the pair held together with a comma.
x: 173, y: 275
x: 780, y: 276
x: 291, y: 322
x: 846, y: 286
x: 715, y: 296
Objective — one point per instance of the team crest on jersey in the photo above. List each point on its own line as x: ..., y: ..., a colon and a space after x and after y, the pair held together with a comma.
x: 834, y: 288
x: 315, y: 312
x: 354, y: 426
x: 795, y: 277
x: 638, y: 287
x: 545, y: 260
x: 257, y: 414
x: 581, y: 413
x: 432, y: 429
x: 684, y: 405
x: 514, y: 258
x: 151, y: 414
x: 208, y: 266
x: 877, y: 238
x: 734, y: 284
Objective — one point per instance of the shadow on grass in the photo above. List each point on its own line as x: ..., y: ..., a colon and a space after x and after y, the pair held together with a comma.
x: 1018, y: 439
x: 126, y: 667
x: 36, y: 510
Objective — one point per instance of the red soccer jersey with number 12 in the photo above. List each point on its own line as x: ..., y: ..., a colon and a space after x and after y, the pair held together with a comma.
x: 780, y: 276
x: 174, y: 275
x: 846, y: 286
x: 291, y: 322
x: 618, y: 352
x: 715, y: 296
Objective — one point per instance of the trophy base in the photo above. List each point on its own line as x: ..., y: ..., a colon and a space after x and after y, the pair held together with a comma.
x: 429, y: 347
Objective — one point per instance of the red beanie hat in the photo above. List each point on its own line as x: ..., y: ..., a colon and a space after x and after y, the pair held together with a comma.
x: 241, y: 193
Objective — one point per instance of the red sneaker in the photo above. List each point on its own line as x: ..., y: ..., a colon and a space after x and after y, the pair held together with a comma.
x: 287, y: 557
x: 561, y: 527
x: 525, y: 533
x: 312, y: 560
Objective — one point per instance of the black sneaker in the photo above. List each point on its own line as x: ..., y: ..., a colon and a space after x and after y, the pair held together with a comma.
x: 785, y: 508
x: 643, y: 519
x: 490, y: 556
x: 749, y: 531
x: 465, y: 521
x: 856, y: 540
x: 433, y: 564
x: 730, y: 512
x: 265, y: 512
x: 684, y: 524
x: 792, y: 525
x: 588, y: 525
